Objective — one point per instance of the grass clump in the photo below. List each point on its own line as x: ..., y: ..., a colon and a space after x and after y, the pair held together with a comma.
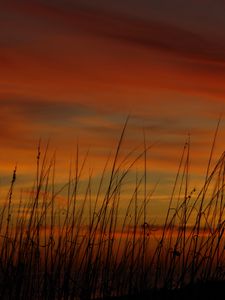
x: 91, y: 247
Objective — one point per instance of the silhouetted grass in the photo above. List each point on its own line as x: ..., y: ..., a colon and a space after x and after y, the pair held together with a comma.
x: 84, y: 250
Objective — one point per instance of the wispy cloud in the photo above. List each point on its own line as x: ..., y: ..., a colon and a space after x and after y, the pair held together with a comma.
x: 158, y: 35
x: 36, y: 110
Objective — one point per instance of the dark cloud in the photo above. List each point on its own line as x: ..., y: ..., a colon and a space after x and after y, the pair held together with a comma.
x: 151, y: 34
x: 157, y: 35
x: 47, y: 112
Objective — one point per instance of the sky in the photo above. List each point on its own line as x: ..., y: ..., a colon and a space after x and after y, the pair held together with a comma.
x: 72, y: 71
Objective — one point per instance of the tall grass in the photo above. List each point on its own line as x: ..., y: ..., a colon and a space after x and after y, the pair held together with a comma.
x: 91, y: 247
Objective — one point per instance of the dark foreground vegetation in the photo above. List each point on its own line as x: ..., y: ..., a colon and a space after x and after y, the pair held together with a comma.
x: 207, y: 290
x: 82, y: 240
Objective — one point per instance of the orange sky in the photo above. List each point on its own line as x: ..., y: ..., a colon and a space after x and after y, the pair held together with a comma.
x: 73, y: 70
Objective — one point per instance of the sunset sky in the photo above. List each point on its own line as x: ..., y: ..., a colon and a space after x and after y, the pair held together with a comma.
x: 71, y: 72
